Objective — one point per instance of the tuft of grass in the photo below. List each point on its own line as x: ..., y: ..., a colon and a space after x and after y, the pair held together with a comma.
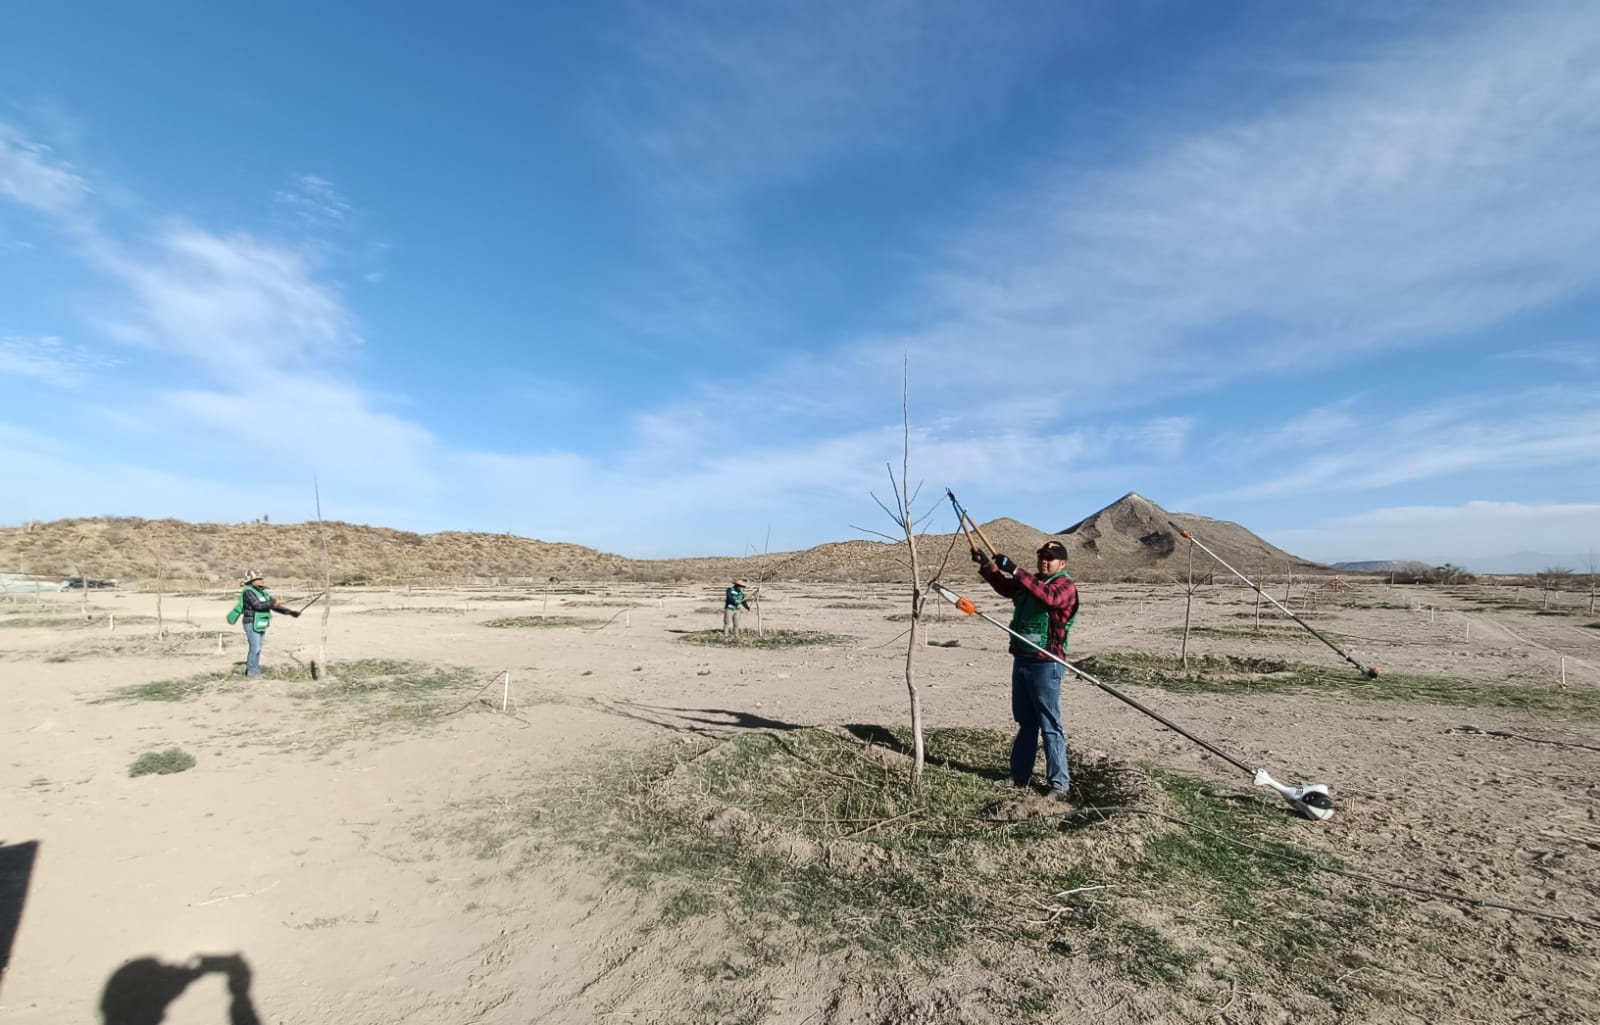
x: 1276, y: 631
x: 1231, y: 674
x: 815, y: 834
x: 540, y: 622
x: 359, y: 698
x: 852, y: 605
x: 162, y: 763
x: 765, y: 639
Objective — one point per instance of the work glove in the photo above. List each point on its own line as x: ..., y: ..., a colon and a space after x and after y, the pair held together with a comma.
x: 295, y: 613
x: 979, y: 557
x: 1004, y: 563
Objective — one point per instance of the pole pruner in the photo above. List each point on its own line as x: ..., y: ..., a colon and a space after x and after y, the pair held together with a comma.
x: 1309, y: 800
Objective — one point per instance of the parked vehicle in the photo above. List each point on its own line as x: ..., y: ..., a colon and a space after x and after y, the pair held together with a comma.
x: 74, y: 583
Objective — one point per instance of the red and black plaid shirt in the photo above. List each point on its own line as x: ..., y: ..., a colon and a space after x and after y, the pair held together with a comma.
x: 1059, y: 597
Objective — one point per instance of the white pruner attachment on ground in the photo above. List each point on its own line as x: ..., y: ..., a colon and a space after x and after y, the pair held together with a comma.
x: 1311, y: 800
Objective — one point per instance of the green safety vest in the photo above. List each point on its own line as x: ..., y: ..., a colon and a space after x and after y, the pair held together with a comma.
x: 262, y: 618
x: 1031, y: 619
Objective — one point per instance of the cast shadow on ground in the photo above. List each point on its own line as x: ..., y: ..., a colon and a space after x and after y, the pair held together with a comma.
x: 16, y: 869
x: 716, y: 720
x: 872, y: 733
x: 140, y: 992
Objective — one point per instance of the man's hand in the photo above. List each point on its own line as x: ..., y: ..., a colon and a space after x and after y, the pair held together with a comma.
x: 295, y: 613
x: 1005, y: 564
x: 980, y: 557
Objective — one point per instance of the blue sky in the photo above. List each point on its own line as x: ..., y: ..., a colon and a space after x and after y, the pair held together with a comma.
x: 646, y: 277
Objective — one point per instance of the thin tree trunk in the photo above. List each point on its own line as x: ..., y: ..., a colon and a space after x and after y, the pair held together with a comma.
x: 902, y: 492
x: 1188, y: 603
x: 161, y: 574
x: 1258, y: 602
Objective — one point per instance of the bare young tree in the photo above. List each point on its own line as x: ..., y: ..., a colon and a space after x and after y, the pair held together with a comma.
x: 1552, y: 578
x: 78, y: 546
x: 902, y: 515
x: 1591, y: 581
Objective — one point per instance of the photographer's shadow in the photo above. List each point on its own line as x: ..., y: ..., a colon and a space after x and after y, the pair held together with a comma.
x: 140, y: 992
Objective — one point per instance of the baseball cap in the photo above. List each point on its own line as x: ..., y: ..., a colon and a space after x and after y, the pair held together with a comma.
x: 1053, y: 550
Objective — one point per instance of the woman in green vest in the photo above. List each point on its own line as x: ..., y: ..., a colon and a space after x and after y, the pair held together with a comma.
x: 255, y: 606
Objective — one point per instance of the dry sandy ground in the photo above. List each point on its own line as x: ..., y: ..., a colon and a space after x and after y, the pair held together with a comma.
x: 322, y: 871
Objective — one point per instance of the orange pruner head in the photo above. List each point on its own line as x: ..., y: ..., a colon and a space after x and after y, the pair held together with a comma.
x: 966, y: 606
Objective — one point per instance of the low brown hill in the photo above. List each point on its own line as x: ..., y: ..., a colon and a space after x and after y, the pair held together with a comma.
x: 129, y: 549
x: 1134, y: 534
x: 1129, y: 539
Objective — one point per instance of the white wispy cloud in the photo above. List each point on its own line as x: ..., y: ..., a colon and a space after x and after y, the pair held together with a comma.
x: 251, y: 331
x: 1454, y: 532
x: 213, y: 298
x: 1491, y: 432
x: 31, y: 174
x: 1584, y: 358
x: 722, y: 104
x: 294, y: 419
x: 719, y: 110
x: 314, y: 201
x: 48, y: 358
x: 1438, y: 187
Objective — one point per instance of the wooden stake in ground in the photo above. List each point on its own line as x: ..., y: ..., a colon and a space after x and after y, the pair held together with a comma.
x: 1188, y: 603
x: 327, y: 577
x: 161, y: 568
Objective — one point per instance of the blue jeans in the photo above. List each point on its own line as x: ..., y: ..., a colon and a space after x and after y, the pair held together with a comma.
x: 252, y: 661
x: 1036, y: 706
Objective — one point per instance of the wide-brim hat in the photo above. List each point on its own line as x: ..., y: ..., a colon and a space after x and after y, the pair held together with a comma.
x: 738, y: 583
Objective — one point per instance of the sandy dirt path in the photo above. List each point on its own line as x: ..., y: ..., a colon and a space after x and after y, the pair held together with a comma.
x: 328, y: 868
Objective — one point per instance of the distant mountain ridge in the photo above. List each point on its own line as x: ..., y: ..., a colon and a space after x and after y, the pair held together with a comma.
x: 1517, y: 563
x: 1133, y: 538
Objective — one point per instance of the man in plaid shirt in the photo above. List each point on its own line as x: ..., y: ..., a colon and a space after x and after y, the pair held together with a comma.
x: 1045, y: 604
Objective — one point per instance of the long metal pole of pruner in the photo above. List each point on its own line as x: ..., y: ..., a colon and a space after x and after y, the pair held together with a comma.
x: 314, y: 599
x: 964, y: 518
x: 1370, y: 672
x: 956, y: 600
x: 1310, y: 801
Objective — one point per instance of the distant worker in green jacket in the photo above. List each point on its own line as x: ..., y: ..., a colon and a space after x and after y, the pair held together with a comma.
x: 734, y: 602
x: 255, y: 606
